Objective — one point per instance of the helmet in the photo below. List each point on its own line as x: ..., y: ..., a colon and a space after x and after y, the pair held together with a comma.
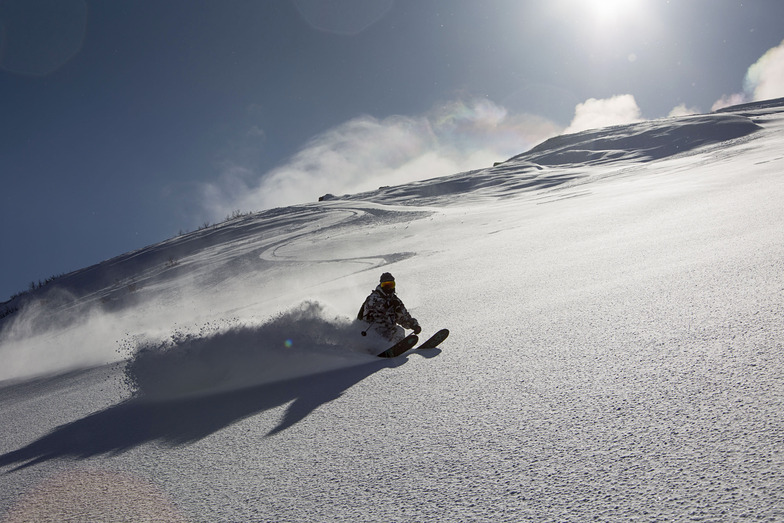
x: 387, y: 283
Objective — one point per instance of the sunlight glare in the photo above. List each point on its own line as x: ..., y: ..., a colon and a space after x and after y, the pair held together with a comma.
x: 608, y: 12
x: 611, y: 11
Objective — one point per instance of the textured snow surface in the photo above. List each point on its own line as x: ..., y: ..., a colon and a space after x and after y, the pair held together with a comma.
x: 616, y: 350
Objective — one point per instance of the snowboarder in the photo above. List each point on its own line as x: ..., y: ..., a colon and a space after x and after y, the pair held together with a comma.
x: 385, y: 312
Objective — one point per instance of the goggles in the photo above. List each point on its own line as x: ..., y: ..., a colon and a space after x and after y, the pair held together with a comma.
x: 388, y: 285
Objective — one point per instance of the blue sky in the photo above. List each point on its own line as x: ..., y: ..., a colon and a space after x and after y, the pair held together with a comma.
x: 123, y: 123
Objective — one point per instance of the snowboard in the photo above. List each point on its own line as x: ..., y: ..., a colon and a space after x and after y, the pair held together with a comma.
x: 435, y: 339
x: 400, y: 347
x: 409, y: 341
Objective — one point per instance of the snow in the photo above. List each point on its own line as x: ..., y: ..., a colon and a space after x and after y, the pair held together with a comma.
x: 614, y: 301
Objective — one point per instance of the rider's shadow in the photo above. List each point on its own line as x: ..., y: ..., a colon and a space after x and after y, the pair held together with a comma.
x: 182, y: 421
x: 428, y: 353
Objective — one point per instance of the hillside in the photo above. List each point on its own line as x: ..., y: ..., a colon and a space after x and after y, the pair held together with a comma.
x: 614, y: 298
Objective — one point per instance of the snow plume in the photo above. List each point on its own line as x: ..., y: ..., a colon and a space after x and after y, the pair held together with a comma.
x: 764, y: 80
x: 682, y: 110
x: 54, y: 334
x: 593, y: 113
x: 366, y: 152
x: 301, y: 341
x: 728, y: 100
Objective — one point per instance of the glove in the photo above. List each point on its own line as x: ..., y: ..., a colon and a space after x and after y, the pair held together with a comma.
x: 417, y: 329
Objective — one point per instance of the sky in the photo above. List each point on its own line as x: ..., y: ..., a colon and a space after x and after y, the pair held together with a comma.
x: 125, y: 123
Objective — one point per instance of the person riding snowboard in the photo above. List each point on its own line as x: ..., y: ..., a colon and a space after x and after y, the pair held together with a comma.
x: 384, y: 311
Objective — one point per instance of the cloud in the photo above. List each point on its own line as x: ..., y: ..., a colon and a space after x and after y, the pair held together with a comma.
x: 594, y: 113
x: 365, y: 153
x: 729, y: 100
x: 682, y: 110
x: 764, y: 80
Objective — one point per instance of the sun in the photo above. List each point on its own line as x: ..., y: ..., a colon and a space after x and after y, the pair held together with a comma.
x: 606, y: 13
x: 611, y: 11
x: 601, y: 14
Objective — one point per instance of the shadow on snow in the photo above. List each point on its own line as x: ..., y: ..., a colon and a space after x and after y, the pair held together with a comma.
x: 182, y: 421
x: 195, y: 385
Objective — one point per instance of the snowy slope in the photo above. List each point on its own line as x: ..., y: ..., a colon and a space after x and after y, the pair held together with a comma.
x: 614, y: 299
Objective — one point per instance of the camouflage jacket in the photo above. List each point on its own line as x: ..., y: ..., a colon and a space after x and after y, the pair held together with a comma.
x: 385, y: 311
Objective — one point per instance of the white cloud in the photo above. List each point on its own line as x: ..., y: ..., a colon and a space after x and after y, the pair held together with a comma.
x: 682, y: 110
x: 365, y: 153
x: 765, y: 79
x: 729, y: 100
x: 594, y: 113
